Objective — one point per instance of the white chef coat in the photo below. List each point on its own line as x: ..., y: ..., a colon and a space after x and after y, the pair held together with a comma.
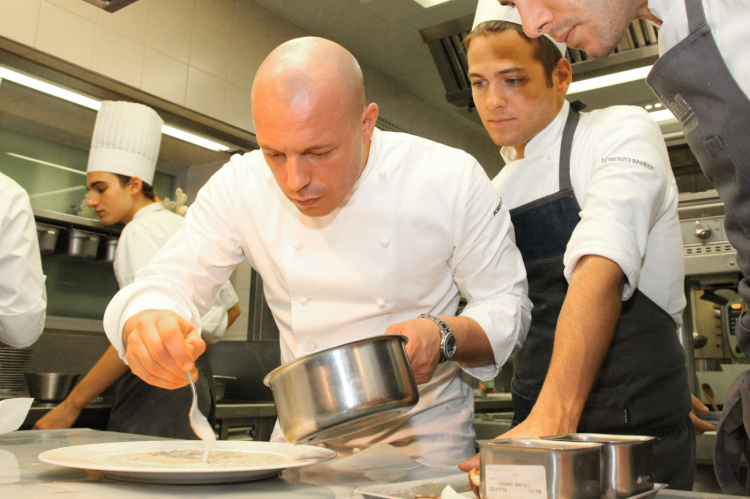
x: 623, y: 182
x: 728, y: 19
x: 23, y: 297
x: 151, y: 227
x: 422, y: 223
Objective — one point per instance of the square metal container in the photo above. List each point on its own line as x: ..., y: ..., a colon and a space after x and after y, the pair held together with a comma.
x: 572, y: 468
x: 627, y: 462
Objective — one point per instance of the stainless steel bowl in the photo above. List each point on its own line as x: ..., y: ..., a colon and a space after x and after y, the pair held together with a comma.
x: 111, y: 248
x: 220, y: 386
x: 343, y: 390
x: 50, y: 387
x: 82, y: 243
x: 627, y: 462
x: 47, y: 235
x: 512, y: 467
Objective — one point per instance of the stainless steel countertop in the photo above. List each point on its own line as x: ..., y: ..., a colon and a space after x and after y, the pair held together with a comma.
x: 23, y: 476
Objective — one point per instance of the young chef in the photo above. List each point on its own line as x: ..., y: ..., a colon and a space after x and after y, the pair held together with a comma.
x: 593, y: 202
x: 356, y: 233
x: 702, y: 76
x: 23, y: 297
x: 124, y: 150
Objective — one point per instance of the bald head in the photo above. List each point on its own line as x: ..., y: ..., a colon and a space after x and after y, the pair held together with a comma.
x: 308, y: 72
x: 312, y: 123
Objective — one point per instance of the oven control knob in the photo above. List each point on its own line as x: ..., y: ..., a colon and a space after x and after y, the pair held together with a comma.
x: 702, y: 231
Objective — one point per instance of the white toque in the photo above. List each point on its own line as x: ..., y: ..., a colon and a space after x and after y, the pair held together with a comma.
x: 126, y: 140
x: 491, y: 10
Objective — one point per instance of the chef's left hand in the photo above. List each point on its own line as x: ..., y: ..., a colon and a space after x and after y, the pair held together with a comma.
x: 423, y: 348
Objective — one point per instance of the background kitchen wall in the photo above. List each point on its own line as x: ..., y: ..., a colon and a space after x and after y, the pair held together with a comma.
x: 203, y: 54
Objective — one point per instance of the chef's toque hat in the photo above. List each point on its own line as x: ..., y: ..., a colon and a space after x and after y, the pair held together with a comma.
x: 126, y: 140
x: 491, y: 10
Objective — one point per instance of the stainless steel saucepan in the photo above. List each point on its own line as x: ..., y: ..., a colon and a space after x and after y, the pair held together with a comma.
x: 344, y: 389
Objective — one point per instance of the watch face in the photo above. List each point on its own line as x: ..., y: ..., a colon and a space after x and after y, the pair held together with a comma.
x: 450, y: 345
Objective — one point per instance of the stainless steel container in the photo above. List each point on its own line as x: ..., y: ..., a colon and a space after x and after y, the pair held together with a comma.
x: 344, y: 389
x: 525, y: 467
x: 627, y: 462
x: 82, y: 243
x: 111, y: 248
x: 50, y: 387
x: 47, y: 235
x: 220, y: 386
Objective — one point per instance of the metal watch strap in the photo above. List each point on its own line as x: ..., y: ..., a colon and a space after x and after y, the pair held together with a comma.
x: 444, y: 331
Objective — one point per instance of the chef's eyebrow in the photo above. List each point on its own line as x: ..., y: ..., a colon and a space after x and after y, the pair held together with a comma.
x: 502, y: 72
x: 319, y: 147
x: 93, y: 186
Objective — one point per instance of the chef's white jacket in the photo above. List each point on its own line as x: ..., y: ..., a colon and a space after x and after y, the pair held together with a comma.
x: 728, y: 20
x: 422, y: 223
x: 23, y: 297
x: 151, y: 227
x: 625, y: 187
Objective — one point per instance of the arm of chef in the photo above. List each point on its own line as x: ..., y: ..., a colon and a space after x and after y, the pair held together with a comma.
x: 215, y: 323
x: 23, y: 298
x: 187, y: 272
x: 630, y: 179
x: 489, y: 271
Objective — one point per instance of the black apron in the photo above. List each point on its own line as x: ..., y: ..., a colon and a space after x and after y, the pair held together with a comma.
x: 693, y: 81
x: 642, y: 387
x: 144, y: 409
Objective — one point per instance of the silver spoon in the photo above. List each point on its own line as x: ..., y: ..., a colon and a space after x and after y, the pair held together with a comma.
x: 198, y: 421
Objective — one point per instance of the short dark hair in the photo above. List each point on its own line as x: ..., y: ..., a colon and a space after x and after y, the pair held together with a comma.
x: 545, y: 51
x: 146, y: 188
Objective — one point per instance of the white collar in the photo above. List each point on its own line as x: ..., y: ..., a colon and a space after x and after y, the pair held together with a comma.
x: 661, y: 9
x: 147, y: 210
x: 543, y: 141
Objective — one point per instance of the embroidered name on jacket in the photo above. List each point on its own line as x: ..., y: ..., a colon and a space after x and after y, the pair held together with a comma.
x: 624, y: 159
x: 499, y: 205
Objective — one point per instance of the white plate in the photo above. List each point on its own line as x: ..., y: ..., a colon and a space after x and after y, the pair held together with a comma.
x: 82, y: 456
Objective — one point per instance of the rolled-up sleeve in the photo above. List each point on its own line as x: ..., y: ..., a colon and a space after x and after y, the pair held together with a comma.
x: 188, y: 271
x: 489, y: 270
x: 630, y: 177
x: 23, y: 297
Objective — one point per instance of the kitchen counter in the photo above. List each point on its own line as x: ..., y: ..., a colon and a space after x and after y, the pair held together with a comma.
x: 23, y: 476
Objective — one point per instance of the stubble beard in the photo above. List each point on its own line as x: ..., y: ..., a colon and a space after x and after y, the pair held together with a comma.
x: 610, y: 22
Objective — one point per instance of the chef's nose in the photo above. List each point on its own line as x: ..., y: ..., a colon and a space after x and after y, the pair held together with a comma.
x: 496, y: 98
x: 92, y: 200
x: 297, y: 174
x: 536, y: 18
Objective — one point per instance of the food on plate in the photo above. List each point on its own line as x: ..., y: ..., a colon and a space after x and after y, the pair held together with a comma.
x: 474, y: 480
x: 448, y: 493
x: 192, y: 458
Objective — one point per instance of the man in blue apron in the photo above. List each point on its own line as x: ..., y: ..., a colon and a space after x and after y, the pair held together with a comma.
x: 594, y: 205
x: 703, y: 77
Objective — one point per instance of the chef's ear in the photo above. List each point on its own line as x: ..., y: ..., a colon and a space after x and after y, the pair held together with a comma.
x: 136, y: 184
x: 368, y: 119
x: 562, y: 75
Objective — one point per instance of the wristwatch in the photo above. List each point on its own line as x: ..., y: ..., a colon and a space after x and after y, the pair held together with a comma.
x: 448, y: 338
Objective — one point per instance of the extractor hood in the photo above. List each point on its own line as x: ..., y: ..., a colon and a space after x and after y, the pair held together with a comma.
x: 110, y: 5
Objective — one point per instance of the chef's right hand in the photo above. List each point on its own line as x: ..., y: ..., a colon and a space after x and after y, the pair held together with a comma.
x: 62, y: 416
x: 161, y: 346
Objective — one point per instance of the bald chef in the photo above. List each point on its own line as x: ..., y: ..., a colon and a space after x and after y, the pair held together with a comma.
x: 593, y: 201
x: 356, y: 233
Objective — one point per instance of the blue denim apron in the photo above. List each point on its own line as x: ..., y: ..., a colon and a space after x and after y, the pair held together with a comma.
x: 693, y: 81
x: 642, y: 386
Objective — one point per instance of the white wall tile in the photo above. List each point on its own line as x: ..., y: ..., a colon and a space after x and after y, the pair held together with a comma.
x: 79, y: 8
x: 239, y: 111
x: 184, y: 6
x: 210, y: 49
x: 206, y: 94
x: 238, y: 330
x: 65, y: 35
x: 19, y: 20
x: 170, y: 31
x: 118, y: 57
x: 131, y: 21
x: 164, y: 77
x: 241, y: 276
x: 217, y: 13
